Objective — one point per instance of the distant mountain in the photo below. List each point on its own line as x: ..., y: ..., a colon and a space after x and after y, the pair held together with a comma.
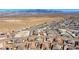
x: 13, y: 12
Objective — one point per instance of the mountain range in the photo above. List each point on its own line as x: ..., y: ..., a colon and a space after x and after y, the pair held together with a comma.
x: 14, y: 12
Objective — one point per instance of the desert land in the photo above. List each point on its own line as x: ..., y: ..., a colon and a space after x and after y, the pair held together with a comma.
x: 18, y: 22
